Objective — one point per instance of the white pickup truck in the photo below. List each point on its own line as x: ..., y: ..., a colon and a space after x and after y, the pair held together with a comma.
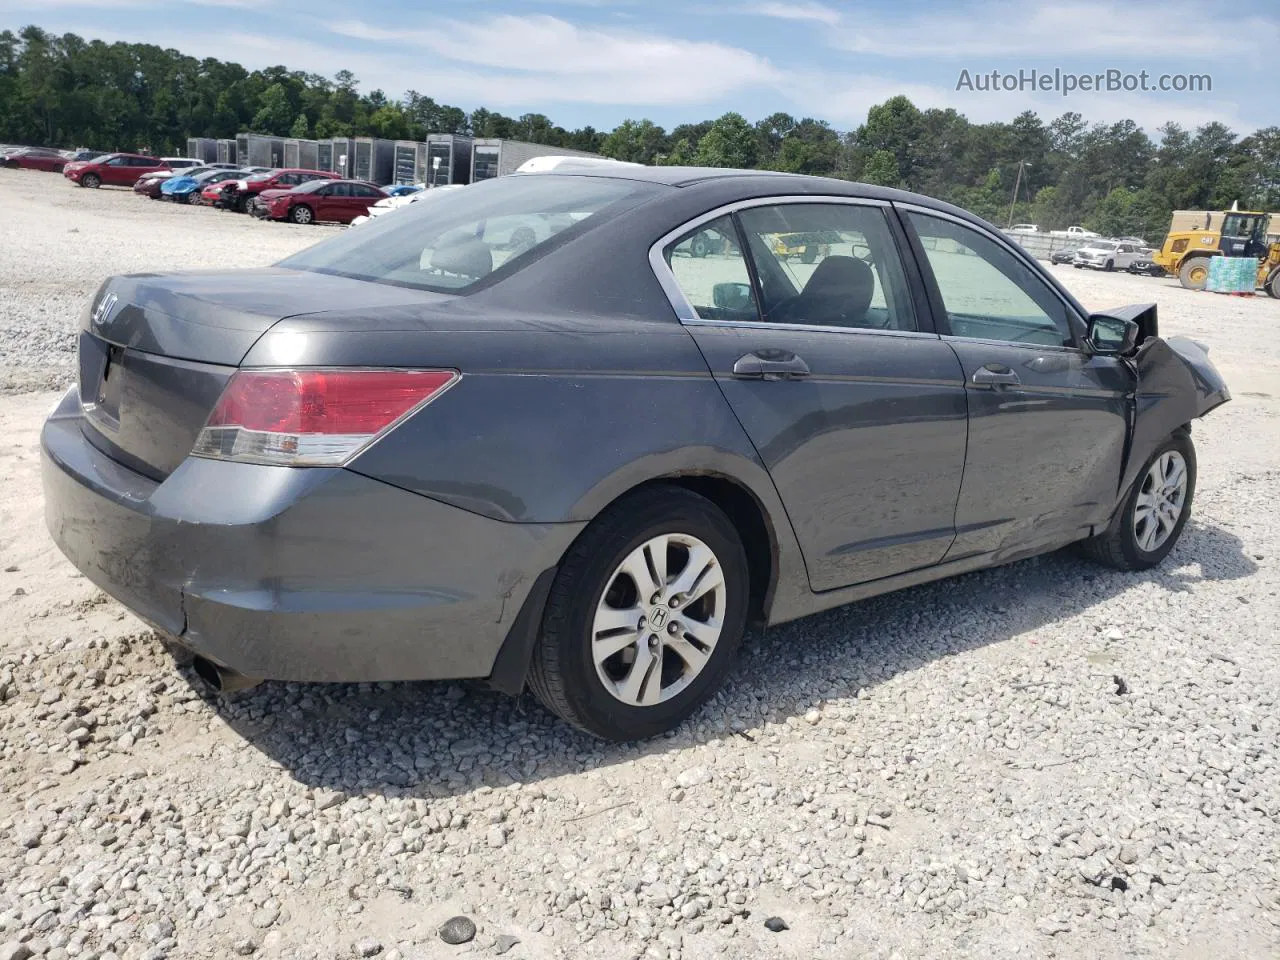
x: 1076, y: 233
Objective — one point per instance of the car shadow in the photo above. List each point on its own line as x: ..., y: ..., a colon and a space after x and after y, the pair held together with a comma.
x: 436, y: 739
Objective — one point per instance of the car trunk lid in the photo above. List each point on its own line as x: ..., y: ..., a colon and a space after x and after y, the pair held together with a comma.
x: 157, y: 350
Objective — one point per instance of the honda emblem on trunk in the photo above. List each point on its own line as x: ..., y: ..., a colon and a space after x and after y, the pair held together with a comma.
x: 103, y: 310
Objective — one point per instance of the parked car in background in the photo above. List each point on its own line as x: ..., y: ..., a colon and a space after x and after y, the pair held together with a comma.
x: 1062, y: 256
x: 79, y: 156
x: 388, y: 204
x: 1024, y: 228
x: 34, y: 158
x: 332, y: 201
x: 428, y: 451
x: 236, y: 194
x: 1080, y: 233
x: 402, y: 189
x: 183, y: 163
x: 1146, y: 266
x: 186, y: 185
x: 1105, y: 255
x: 148, y: 185
x: 112, y: 170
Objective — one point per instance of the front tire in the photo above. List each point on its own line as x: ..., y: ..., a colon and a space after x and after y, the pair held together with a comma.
x: 1154, y: 513
x: 91, y: 180
x: 302, y: 214
x: 1194, y: 273
x: 1110, y: 266
x: 644, y: 617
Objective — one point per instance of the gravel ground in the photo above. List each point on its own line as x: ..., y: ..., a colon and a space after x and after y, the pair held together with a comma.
x: 1049, y: 759
x: 58, y: 242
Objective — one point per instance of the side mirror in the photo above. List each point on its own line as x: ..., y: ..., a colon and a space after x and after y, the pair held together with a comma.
x: 731, y: 296
x: 1112, y: 336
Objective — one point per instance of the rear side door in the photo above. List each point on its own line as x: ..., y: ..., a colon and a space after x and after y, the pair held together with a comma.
x: 1048, y: 421
x: 362, y: 198
x: 854, y: 404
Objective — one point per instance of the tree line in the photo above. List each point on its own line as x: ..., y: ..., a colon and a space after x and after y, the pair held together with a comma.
x: 1114, y: 178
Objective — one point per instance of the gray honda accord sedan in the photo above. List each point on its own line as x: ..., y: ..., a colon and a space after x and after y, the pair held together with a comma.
x: 576, y: 430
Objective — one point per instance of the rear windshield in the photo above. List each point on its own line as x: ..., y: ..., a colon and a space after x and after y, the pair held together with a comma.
x: 467, y: 235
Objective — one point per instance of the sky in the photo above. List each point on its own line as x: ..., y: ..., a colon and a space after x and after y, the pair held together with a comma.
x: 599, y: 62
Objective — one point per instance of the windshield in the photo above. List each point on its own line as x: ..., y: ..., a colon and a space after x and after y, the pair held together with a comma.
x: 466, y: 235
x: 1102, y: 245
x: 265, y: 175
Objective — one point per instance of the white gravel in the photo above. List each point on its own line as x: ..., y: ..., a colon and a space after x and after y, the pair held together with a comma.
x: 950, y: 771
x: 59, y: 241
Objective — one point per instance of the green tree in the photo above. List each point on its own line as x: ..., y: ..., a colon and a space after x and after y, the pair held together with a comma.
x: 729, y: 143
x: 274, y: 115
x: 881, y: 169
x: 301, y: 130
x: 635, y: 141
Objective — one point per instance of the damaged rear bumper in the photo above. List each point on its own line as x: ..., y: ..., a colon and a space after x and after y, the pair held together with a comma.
x: 293, y: 574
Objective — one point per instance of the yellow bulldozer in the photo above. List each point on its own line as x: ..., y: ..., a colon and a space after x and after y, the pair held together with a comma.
x: 1243, y: 233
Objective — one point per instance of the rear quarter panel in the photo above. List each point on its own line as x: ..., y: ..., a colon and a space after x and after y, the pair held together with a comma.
x: 553, y: 419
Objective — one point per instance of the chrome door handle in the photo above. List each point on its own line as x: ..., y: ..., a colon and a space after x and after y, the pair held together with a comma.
x: 995, y: 376
x: 770, y: 365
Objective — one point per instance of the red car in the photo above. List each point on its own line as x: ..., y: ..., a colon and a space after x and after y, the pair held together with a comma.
x: 113, y: 170
x: 236, y: 194
x: 337, y: 201
x: 35, y: 158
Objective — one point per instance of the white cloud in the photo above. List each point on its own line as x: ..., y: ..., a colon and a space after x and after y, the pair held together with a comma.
x: 532, y: 58
x: 1051, y: 29
x: 815, y: 12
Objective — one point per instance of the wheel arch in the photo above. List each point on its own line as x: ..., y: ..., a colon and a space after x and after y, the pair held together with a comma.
x: 750, y: 518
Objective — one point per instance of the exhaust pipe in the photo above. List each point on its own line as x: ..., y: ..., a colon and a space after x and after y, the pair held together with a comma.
x: 222, y: 679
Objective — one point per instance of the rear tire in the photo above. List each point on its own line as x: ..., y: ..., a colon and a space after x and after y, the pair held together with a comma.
x: 1134, y: 543
x: 681, y: 658
x: 91, y: 180
x: 1193, y: 273
x: 1273, y: 285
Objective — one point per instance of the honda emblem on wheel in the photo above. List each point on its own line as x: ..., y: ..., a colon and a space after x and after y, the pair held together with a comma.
x: 658, y: 617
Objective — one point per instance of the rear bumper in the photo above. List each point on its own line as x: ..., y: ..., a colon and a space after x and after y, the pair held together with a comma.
x: 294, y: 574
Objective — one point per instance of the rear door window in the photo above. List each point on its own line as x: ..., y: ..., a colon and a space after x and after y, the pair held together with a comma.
x: 828, y: 264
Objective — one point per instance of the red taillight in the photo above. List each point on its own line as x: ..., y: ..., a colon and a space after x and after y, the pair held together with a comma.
x: 312, y: 417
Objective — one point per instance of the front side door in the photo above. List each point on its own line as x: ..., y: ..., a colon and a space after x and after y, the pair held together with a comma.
x: 1048, y: 421
x: 327, y: 202
x: 805, y: 316
x: 118, y: 171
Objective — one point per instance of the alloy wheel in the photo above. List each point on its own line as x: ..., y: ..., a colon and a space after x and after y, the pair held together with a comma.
x: 658, y: 620
x: 1160, y: 501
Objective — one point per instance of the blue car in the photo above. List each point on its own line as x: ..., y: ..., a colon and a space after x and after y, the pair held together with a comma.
x: 400, y: 189
x: 181, y: 188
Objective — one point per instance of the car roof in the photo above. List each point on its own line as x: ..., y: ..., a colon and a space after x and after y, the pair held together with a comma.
x: 747, y: 183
